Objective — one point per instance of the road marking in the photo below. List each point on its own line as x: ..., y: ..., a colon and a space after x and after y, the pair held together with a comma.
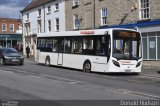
x: 139, y: 93
x: 150, y: 77
x: 137, y: 81
x: 110, y: 77
x: 12, y: 69
x: 79, y: 82
x: 129, y: 92
x: 62, y: 79
x: 47, y: 76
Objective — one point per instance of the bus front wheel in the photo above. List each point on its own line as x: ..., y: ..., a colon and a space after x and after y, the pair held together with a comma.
x: 47, y: 61
x: 87, y: 67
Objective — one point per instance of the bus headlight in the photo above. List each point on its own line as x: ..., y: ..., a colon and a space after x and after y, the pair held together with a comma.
x: 116, y: 63
x: 138, y: 64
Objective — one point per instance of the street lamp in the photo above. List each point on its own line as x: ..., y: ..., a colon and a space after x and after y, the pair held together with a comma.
x: 133, y: 8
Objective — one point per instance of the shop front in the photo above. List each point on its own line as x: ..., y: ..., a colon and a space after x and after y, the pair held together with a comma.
x: 10, y: 40
x: 151, y: 45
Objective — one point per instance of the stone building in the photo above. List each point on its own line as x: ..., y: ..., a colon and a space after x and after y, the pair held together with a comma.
x: 10, y: 32
x: 143, y: 15
x: 79, y: 14
x: 88, y: 13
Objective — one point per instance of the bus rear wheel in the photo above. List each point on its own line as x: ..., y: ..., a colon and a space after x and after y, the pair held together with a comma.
x: 47, y: 61
x: 87, y: 67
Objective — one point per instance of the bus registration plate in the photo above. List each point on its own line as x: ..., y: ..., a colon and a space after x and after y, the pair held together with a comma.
x: 127, y: 70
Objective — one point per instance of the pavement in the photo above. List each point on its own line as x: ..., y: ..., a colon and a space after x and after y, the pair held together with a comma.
x: 151, y: 69
x: 153, y: 65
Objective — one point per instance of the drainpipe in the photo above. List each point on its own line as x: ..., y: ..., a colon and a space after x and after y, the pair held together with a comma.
x: 44, y: 18
x: 94, y: 15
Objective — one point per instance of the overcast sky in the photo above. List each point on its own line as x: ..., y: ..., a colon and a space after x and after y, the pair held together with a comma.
x: 12, y: 8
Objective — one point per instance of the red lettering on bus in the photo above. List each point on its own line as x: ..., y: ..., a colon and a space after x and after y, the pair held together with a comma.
x: 87, y: 32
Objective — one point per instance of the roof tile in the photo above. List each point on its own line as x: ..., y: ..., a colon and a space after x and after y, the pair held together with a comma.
x: 36, y: 3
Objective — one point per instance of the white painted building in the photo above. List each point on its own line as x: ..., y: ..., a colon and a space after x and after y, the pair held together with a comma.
x: 42, y: 16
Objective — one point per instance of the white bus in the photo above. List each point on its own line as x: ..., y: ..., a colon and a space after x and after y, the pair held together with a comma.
x: 100, y: 50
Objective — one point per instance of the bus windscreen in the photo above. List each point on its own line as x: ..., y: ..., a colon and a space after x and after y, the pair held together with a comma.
x: 126, y: 45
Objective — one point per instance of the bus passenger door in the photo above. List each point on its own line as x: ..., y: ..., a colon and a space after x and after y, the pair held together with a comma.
x: 60, y: 51
x: 102, y: 53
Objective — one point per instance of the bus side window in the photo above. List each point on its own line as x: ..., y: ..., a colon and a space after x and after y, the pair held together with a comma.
x: 77, y: 45
x: 101, y: 46
x: 60, y: 45
x: 41, y: 44
x: 67, y: 45
x: 88, y: 45
x: 49, y: 45
x: 55, y: 45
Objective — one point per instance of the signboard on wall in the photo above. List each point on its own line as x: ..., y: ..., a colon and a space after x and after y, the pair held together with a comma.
x: 11, y: 36
x: 152, y: 44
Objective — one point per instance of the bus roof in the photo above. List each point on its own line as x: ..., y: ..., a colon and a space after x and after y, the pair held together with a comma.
x: 81, y: 32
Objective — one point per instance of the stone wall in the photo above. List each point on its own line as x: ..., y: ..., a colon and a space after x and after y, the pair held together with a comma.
x: 84, y: 11
x: 119, y: 12
x: 154, y: 9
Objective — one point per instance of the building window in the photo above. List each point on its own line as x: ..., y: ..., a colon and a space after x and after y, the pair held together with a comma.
x: 11, y: 26
x: 4, y: 27
x: 39, y: 12
x: 39, y: 26
x: 145, y: 9
x: 49, y: 9
x: 57, y: 7
x: 27, y: 16
x: 57, y: 24
x: 76, y: 22
x: 27, y: 28
x: 75, y: 2
x: 49, y: 25
x: 104, y: 13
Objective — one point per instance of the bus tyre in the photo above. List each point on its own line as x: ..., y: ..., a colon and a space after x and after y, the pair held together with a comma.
x: 87, y: 67
x: 47, y: 61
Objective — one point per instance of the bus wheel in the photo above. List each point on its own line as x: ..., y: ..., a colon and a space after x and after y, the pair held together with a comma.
x: 87, y: 67
x: 47, y: 61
